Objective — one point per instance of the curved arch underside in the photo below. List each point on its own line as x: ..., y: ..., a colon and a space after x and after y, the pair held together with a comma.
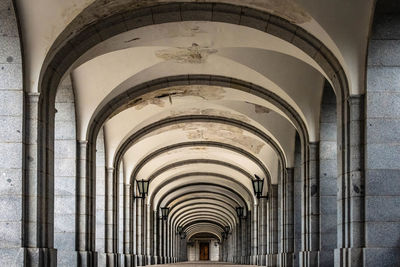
x: 195, y: 100
x: 197, y: 113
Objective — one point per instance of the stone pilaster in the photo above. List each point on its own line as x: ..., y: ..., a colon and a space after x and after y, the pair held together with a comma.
x: 297, y: 205
x: 309, y: 256
x: 272, y: 248
x: 262, y: 231
x: 139, y: 231
x: 328, y: 177
x: 16, y: 175
x: 86, y: 254
x: 286, y: 257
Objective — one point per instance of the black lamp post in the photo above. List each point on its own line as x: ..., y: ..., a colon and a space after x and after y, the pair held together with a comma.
x: 239, y: 212
x: 143, y: 187
x: 164, y: 213
x: 258, y: 185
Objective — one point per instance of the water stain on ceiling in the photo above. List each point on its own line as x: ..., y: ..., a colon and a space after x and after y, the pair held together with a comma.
x: 194, y: 54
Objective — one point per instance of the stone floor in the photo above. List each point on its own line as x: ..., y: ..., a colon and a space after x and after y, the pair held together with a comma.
x: 203, y: 263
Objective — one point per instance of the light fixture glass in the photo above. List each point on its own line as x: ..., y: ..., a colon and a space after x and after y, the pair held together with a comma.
x: 258, y: 185
x: 164, y: 213
x: 143, y: 187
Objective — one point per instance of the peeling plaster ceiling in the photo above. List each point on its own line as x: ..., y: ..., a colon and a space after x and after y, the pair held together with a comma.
x: 114, y: 66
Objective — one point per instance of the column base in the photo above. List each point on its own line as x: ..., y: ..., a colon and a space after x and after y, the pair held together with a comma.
x: 309, y: 258
x: 262, y: 260
x: 353, y: 257
x: 140, y: 260
x: 272, y: 260
x: 286, y: 259
x: 253, y: 259
x: 28, y: 257
x: 109, y: 259
x: 126, y: 260
x: 87, y: 258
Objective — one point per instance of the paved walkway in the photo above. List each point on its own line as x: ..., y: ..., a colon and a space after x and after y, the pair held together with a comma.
x: 202, y: 263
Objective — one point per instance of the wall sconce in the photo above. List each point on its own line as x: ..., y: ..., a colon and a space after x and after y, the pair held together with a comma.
x: 258, y: 185
x: 164, y: 213
x: 143, y: 187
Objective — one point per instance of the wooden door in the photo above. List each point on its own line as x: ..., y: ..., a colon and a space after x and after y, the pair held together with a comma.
x: 204, y: 252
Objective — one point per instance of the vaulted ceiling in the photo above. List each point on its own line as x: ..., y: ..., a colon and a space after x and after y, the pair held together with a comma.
x: 203, y: 105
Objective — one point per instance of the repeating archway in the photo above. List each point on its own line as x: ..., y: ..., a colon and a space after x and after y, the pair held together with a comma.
x: 59, y: 65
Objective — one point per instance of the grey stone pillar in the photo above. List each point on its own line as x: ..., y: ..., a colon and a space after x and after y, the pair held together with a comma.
x: 262, y: 231
x: 272, y: 247
x: 38, y: 247
x: 16, y: 176
x: 328, y: 177
x: 139, y: 232
x: 86, y: 255
x: 149, y: 235
x: 110, y: 217
x: 163, y: 244
x: 65, y: 175
x: 309, y: 255
x: 238, y: 241
x: 286, y: 256
x: 243, y: 234
x: 127, y: 259
x: 133, y: 223
x: 381, y: 188
x: 120, y: 215
x: 254, y: 235
x: 156, y: 238
x: 351, y: 200
x: 297, y: 198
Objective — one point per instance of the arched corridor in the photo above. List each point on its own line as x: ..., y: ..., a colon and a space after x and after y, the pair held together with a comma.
x: 200, y: 133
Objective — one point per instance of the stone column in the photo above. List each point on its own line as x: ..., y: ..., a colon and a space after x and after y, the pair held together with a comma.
x: 238, y: 240
x: 328, y: 177
x: 379, y: 191
x: 164, y: 241
x: 244, y: 239
x: 272, y: 227
x: 134, y: 225
x: 286, y: 257
x: 297, y: 205
x: 156, y: 238
x: 139, y: 231
x: 351, y: 200
x: 127, y: 230
x: 309, y: 256
x: 18, y: 178
x: 110, y: 216
x: 37, y: 216
x: 86, y: 255
x: 149, y: 235
x: 254, y: 236
x: 262, y: 231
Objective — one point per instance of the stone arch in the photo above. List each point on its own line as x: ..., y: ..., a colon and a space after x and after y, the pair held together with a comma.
x: 49, y: 78
x: 201, y: 144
